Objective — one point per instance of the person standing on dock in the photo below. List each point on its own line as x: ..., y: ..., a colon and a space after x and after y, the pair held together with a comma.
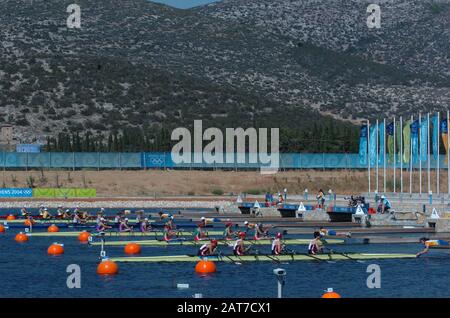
x: 208, y: 248
x: 320, y: 199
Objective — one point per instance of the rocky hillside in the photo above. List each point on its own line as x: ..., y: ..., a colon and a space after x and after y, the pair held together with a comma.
x: 237, y: 62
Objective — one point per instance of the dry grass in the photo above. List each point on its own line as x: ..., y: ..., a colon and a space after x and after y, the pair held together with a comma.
x: 148, y: 183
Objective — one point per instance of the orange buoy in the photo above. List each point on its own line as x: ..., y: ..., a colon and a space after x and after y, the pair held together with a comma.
x: 55, y: 249
x: 21, y: 237
x: 53, y: 228
x: 329, y: 293
x: 107, y: 267
x: 84, y: 236
x: 10, y: 217
x: 2, y: 228
x: 132, y: 248
x: 205, y: 267
x: 28, y: 223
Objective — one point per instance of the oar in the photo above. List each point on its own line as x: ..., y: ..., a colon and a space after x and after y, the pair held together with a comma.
x: 292, y: 252
x: 226, y: 256
x: 344, y: 254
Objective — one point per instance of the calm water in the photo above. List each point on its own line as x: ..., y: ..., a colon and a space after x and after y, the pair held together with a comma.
x: 27, y: 271
x: 184, y: 4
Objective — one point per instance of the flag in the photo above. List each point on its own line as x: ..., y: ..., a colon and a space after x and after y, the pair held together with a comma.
x: 415, y: 141
x: 373, y: 145
x: 363, y: 145
x: 398, y: 136
x: 407, y: 141
x: 382, y: 134
x: 390, y: 141
x: 424, y: 139
x: 434, y: 120
x: 444, y: 134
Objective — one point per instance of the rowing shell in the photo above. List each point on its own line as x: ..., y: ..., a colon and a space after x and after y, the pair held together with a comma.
x: 256, y: 258
x: 197, y: 243
x: 115, y: 234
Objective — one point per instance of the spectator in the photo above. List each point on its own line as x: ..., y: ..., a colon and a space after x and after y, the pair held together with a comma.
x: 384, y: 205
x: 320, y: 199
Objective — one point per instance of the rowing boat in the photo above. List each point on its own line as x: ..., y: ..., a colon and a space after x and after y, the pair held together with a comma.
x: 115, y: 234
x: 222, y: 242
x: 255, y: 258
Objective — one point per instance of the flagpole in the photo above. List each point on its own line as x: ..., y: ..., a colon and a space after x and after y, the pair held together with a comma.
x: 428, y: 155
x: 395, y: 158
x: 420, y: 154
x: 438, y: 154
x: 384, y: 155
x: 448, y: 154
x: 401, y: 155
x: 410, y: 159
x: 377, y: 130
x: 368, y: 152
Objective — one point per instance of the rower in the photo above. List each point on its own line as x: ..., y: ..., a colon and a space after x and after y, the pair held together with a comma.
x: 198, y: 233
x: 24, y: 212
x: 277, y: 246
x: 326, y: 232
x: 102, y: 225
x: 139, y: 216
x: 316, y: 244
x: 118, y: 218
x: 124, y: 226
x: 170, y: 224
x: 430, y: 243
x: 169, y: 234
x: 46, y: 215
x: 59, y: 212
x: 208, y: 248
x: 66, y: 214
x: 77, y: 219
x: 163, y: 216
x: 228, y: 232
x: 260, y: 232
x: 41, y: 210
x: 249, y: 226
x: 145, y: 226
x: 239, y: 247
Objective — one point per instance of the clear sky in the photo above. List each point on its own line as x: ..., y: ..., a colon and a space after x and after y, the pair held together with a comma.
x: 184, y: 4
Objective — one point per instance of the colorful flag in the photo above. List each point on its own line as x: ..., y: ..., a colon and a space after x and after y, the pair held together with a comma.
x: 407, y: 141
x: 373, y: 145
x: 434, y: 120
x: 415, y: 141
x: 382, y: 133
x: 390, y: 141
x: 424, y: 139
x: 398, y: 136
x: 444, y: 134
x: 363, y: 145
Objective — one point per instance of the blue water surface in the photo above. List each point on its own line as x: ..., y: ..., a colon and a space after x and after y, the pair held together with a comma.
x: 27, y: 271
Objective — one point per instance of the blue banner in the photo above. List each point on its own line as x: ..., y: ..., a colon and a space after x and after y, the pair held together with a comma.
x: 373, y: 145
x: 363, y: 145
x: 16, y: 192
x: 435, y: 123
x: 382, y: 144
x: 415, y: 141
x: 424, y: 140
